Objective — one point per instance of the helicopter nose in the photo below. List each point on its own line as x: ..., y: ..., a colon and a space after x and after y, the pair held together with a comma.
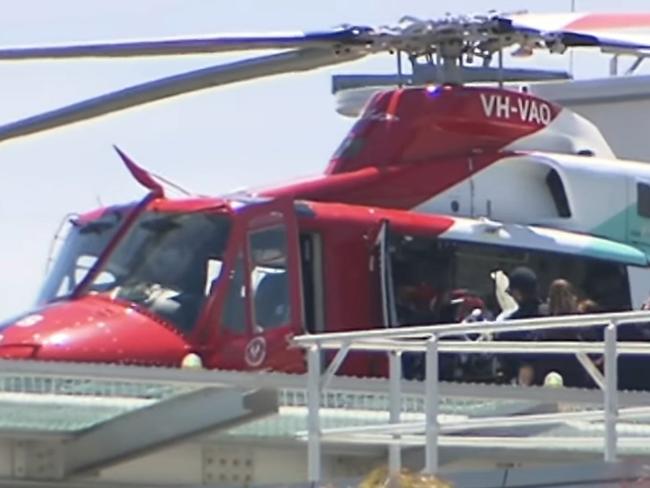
x: 91, y: 329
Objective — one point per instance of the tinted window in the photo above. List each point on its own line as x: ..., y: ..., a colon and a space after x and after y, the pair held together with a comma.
x: 556, y: 187
x: 431, y: 274
x: 269, y: 277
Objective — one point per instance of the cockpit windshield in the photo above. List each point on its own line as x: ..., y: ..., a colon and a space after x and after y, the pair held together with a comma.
x: 83, y: 244
x: 166, y: 262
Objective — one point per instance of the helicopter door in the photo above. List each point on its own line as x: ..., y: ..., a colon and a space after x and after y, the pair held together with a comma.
x: 262, y: 309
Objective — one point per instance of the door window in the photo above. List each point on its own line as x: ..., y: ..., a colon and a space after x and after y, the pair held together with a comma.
x: 269, y: 277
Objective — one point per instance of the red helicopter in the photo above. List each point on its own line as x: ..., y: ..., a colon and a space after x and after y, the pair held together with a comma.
x: 229, y: 280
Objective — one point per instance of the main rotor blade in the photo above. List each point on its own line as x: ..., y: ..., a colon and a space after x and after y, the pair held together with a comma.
x: 586, y: 23
x: 290, y: 61
x: 626, y: 31
x: 348, y: 36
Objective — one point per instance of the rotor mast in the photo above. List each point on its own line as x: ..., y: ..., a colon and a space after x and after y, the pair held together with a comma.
x: 450, y: 53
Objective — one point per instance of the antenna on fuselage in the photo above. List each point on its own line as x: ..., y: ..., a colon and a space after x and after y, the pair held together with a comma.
x: 400, y: 82
x: 500, y: 61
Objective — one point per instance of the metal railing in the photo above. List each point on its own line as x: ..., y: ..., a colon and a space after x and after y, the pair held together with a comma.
x: 394, y: 341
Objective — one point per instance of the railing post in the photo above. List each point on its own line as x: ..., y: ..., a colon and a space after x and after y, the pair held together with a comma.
x: 313, y: 415
x: 431, y: 407
x: 395, y: 406
x: 611, y: 392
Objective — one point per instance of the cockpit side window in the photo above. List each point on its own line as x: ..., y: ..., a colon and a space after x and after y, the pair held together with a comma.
x: 269, y: 277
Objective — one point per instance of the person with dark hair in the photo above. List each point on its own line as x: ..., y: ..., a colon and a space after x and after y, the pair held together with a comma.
x: 524, y: 289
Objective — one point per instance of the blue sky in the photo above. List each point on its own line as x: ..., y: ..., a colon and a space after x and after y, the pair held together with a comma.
x: 210, y: 142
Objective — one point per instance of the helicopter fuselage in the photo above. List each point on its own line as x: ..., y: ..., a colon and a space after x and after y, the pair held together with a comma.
x: 458, y: 151
x: 231, y: 281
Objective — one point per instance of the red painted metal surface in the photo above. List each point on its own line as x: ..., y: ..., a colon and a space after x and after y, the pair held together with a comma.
x: 94, y: 329
x: 417, y: 125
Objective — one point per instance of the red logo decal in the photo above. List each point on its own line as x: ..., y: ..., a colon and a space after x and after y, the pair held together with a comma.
x: 255, y: 352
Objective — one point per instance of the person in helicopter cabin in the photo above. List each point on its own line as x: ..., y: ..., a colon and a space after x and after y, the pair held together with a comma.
x: 523, y: 287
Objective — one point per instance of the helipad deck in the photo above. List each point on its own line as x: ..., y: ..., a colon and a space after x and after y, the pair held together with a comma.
x: 96, y: 424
